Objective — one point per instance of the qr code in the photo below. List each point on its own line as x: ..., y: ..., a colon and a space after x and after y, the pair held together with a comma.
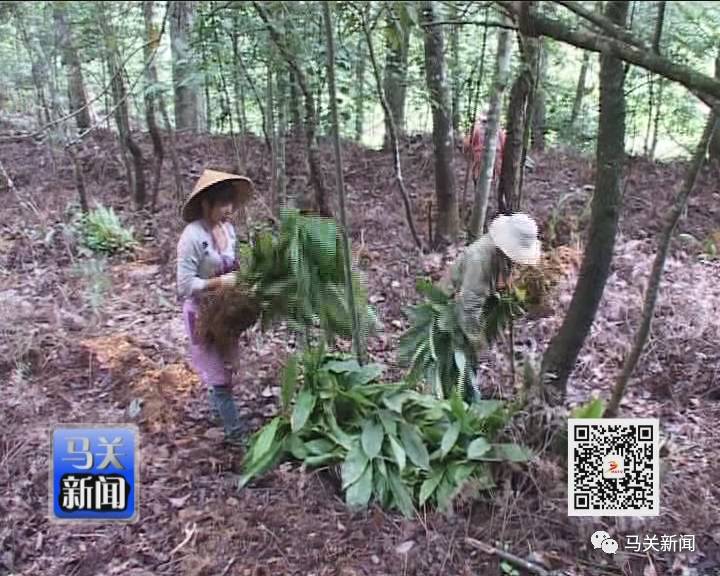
x: 613, y: 467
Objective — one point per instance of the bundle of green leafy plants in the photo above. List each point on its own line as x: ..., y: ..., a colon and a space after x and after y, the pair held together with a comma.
x: 436, y: 348
x: 297, y: 275
x: 100, y: 230
x: 391, y: 444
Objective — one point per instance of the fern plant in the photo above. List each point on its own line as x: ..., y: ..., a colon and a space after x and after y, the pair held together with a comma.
x: 435, y: 347
x: 296, y: 275
x: 101, y: 230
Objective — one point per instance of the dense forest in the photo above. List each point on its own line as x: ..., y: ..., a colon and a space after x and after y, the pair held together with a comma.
x: 384, y: 143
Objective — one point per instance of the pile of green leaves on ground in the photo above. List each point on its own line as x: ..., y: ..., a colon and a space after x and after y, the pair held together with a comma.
x: 393, y: 446
x: 100, y: 230
x: 298, y: 275
x: 435, y: 347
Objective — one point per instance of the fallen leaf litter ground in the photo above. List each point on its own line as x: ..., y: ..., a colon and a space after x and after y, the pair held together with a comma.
x: 63, y: 361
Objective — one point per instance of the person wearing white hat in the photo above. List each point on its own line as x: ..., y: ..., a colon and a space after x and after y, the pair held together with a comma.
x: 484, y: 268
x: 206, y: 263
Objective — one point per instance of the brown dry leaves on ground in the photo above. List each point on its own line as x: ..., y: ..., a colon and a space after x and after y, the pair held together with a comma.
x: 123, y: 360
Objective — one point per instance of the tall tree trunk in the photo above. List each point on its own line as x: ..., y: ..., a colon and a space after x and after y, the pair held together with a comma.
x: 651, y: 293
x: 295, y: 106
x: 177, y: 176
x: 561, y: 355
x: 657, y: 36
x: 659, y: 23
x: 239, y: 90
x: 77, y: 95
x: 360, y: 89
x: 152, y: 39
x: 131, y: 153
x: 320, y: 204
x: 487, y: 163
x: 656, y: 121
x: 519, y: 117
x: 358, y: 340
x: 579, y: 95
x: 186, y: 96
x: 397, y: 43
x: 715, y: 140
x: 270, y: 123
x: 447, y: 224
x: 473, y: 100
x: 455, y: 69
x: 538, y: 116
x: 281, y: 136
x: 207, y: 80
x: 37, y: 67
x: 394, y: 143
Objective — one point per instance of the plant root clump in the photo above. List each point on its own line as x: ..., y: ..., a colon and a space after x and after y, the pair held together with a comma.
x: 224, y: 315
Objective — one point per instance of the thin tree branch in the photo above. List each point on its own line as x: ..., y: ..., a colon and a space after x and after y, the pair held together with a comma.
x: 704, y: 87
x: 468, y: 23
x: 603, y: 23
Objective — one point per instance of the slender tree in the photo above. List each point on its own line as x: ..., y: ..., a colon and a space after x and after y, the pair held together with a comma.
x: 397, y: 43
x: 321, y: 204
x: 332, y: 92
x: 186, y: 97
x: 447, y: 225
x: 390, y: 122
x: 519, y: 118
x: 580, y: 92
x: 562, y: 352
x: 653, y: 287
x: 487, y: 162
x: 77, y: 95
x: 152, y: 42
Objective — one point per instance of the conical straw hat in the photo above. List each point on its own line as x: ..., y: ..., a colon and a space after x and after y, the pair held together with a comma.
x: 241, y: 185
x: 516, y: 236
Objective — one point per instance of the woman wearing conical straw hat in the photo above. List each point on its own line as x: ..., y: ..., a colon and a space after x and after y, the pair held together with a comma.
x: 484, y: 269
x: 205, y: 265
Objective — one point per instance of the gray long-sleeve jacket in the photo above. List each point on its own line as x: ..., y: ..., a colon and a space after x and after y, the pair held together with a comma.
x: 473, y: 278
x: 198, y: 259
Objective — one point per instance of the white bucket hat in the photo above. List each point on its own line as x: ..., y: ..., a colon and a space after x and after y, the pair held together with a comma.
x: 517, y: 237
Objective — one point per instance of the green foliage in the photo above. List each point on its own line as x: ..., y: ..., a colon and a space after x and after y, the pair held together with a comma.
x: 436, y: 348
x: 299, y: 275
x: 592, y: 409
x: 100, y: 230
x: 392, y: 445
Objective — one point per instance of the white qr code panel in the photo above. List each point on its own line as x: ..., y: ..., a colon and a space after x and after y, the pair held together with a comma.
x: 613, y: 467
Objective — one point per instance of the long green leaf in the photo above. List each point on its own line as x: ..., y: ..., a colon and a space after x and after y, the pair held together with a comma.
x: 289, y: 381
x: 414, y: 446
x: 450, y: 438
x: 395, y: 402
x: 398, y: 452
x: 303, y: 408
x: 261, y: 464
x: 358, y: 494
x: 354, y: 465
x: 402, y: 497
x: 512, y: 452
x: 430, y: 484
x: 319, y: 446
x: 372, y: 437
x: 478, y: 448
x: 264, y: 440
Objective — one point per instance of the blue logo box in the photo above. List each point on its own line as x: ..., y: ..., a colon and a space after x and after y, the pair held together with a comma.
x: 94, y: 472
